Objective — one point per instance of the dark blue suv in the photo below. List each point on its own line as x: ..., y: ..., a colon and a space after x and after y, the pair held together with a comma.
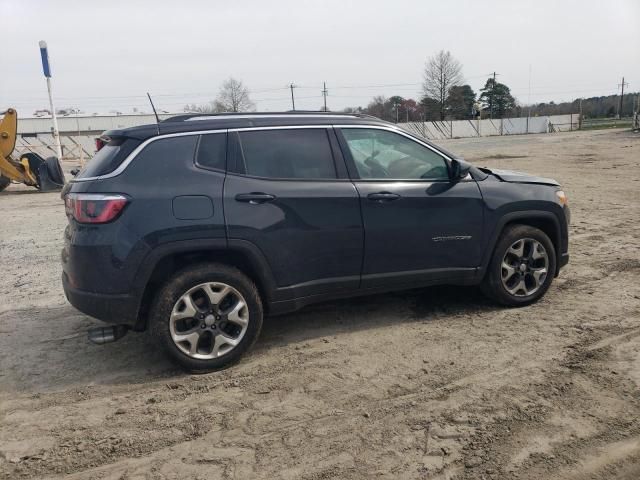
x: 197, y: 227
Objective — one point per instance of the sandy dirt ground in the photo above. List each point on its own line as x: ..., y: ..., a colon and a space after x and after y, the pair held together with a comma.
x: 432, y: 383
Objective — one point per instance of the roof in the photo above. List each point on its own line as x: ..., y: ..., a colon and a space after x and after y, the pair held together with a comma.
x: 203, y: 122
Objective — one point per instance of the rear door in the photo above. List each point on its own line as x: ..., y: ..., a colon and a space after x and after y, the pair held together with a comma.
x: 287, y: 192
x: 419, y: 225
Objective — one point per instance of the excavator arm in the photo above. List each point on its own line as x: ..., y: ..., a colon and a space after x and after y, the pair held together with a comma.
x: 31, y: 169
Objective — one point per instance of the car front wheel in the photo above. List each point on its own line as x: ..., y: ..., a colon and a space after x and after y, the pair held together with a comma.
x: 207, y: 316
x: 522, y: 267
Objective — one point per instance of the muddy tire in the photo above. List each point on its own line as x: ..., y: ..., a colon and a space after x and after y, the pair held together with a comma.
x: 522, y: 267
x: 4, y: 183
x: 207, y: 316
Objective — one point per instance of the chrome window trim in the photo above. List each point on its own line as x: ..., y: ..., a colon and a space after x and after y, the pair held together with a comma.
x: 125, y: 163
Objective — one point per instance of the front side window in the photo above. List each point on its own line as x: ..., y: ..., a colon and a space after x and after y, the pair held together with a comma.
x: 288, y: 153
x: 381, y: 154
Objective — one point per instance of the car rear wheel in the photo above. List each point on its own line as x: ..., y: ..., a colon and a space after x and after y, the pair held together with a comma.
x: 207, y: 316
x: 522, y: 267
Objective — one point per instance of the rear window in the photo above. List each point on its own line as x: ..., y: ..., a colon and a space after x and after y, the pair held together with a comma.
x: 109, y: 157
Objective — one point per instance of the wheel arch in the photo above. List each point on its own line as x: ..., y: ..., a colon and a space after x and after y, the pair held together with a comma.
x: 164, y: 262
x: 545, y: 221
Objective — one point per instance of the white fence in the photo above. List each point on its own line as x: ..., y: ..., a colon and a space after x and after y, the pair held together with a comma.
x: 490, y: 127
x: 34, y: 133
x: 77, y: 134
x: 95, y: 123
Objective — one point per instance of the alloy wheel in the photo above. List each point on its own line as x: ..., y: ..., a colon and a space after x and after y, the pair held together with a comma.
x: 524, y: 267
x: 209, y: 320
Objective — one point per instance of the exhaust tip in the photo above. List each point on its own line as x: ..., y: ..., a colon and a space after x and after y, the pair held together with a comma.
x: 102, y: 335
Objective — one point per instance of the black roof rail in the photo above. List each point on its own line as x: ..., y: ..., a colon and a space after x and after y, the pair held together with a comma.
x: 189, y: 116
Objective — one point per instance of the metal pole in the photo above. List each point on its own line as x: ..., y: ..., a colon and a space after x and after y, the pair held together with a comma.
x: 46, y: 69
x: 493, y: 89
x: 324, y: 94
x: 529, y: 99
x: 621, y: 97
x: 293, y: 102
x: 580, y: 117
x: 56, y: 134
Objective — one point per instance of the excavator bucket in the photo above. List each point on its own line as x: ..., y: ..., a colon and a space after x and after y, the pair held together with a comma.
x: 31, y: 169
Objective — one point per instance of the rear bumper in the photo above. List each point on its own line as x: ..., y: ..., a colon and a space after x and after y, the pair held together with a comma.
x: 110, y: 308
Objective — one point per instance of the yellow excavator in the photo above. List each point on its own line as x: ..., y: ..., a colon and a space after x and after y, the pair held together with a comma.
x: 31, y: 169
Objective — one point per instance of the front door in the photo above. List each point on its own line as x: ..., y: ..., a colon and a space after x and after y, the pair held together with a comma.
x: 419, y: 225
x: 286, y: 198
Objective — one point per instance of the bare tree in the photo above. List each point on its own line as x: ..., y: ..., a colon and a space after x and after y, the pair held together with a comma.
x: 233, y: 97
x: 441, y: 72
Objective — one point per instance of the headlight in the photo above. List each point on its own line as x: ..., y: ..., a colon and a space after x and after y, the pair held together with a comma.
x: 562, y: 198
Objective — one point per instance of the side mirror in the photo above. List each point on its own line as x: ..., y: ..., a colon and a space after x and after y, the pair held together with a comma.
x: 459, y: 169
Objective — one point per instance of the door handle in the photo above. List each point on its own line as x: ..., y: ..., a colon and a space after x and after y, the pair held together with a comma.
x: 383, y: 197
x: 254, y: 198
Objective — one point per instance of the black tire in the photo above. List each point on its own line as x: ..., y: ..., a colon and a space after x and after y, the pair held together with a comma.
x: 182, y: 282
x: 56, y: 175
x: 492, y: 285
x: 4, y: 182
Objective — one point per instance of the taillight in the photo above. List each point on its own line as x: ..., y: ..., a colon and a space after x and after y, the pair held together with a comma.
x: 95, y: 207
x: 101, y: 142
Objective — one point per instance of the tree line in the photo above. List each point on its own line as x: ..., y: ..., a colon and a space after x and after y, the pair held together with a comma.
x: 445, y: 96
x: 592, y: 107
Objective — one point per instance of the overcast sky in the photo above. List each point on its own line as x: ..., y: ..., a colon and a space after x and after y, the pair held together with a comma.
x: 106, y: 55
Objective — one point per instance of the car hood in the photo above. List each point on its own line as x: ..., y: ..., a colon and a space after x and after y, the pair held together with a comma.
x: 519, y: 177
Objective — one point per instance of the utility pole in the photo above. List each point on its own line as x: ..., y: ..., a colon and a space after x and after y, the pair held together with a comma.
x: 293, y: 102
x: 580, y: 117
x: 493, y: 88
x: 396, y: 106
x: 324, y: 94
x: 621, y: 97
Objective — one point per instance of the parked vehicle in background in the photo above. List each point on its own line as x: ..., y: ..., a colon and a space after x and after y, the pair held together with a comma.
x: 198, y: 227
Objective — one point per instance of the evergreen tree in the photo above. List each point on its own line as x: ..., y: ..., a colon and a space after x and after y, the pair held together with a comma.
x: 497, y: 99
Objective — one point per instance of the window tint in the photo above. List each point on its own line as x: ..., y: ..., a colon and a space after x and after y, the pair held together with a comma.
x: 380, y: 154
x: 164, y: 158
x: 109, y: 157
x: 212, y: 151
x: 295, y: 153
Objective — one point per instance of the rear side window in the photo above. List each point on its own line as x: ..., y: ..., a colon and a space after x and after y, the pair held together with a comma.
x: 294, y: 153
x: 165, y: 158
x: 212, y: 151
x: 109, y: 157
